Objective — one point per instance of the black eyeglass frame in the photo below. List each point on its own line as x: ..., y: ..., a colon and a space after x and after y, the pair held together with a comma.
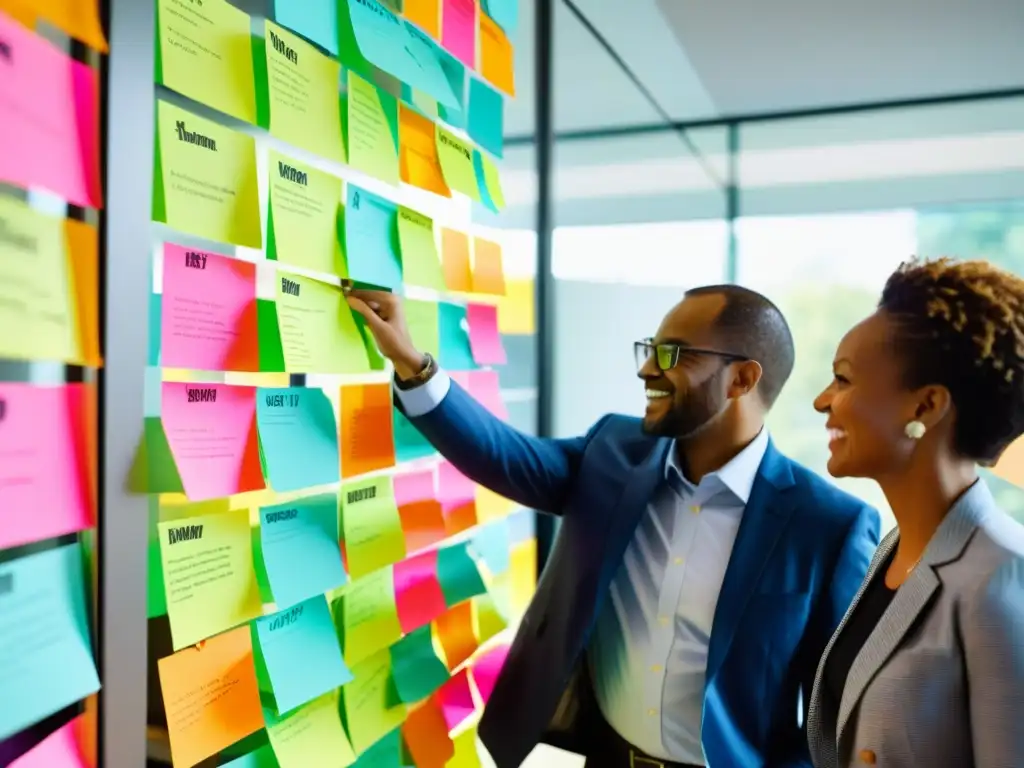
x: 643, y: 349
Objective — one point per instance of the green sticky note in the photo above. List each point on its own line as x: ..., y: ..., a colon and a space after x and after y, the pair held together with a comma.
x: 370, y: 703
x: 458, y: 575
x: 302, y: 87
x: 204, y: 181
x: 423, y: 322
x: 318, y: 332
x: 46, y: 660
x: 209, y: 576
x: 386, y: 753
x: 420, y: 263
x: 203, y: 51
x: 371, y: 526
x: 372, y: 130
x: 488, y: 182
x: 261, y: 758
x: 410, y: 444
x: 302, y: 222
x: 416, y: 666
x: 456, y: 158
x: 305, y: 737
x: 368, y: 616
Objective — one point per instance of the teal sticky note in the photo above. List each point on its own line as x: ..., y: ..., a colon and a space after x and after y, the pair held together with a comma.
x: 505, y: 13
x: 458, y: 575
x: 315, y: 20
x: 371, y: 239
x: 299, y: 437
x: 300, y: 548
x: 386, y: 753
x: 46, y: 660
x: 415, y: 666
x: 456, y: 354
x: 410, y: 444
x: 486, y: 116
x: 493, y: 543
x: 262, y: 758
x: 301, y: 652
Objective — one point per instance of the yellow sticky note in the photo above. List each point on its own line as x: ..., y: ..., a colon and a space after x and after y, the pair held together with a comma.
x: 420, y: 264
x: 466, y: 754
x: 205, y: 178
x: 372, y: 130
x: 318, y: 332
x: 523, y: 570
x: 456, y: 159
x: 419, y: 163
x: 426, y: 14
x: 302, y: 224
x: 36, y: 308
x: 204, y: 51
x: 372, y: 707
x: 309, y: 734
x: 491, y: 506
x: 516, y: 307
x: 302, y: 84
x: 371, y: 526
x: 83, y: 245
x: 208, y: 575
x: 496, y: 56
x: 369, y: 616
x: 80, y: 19
x: 487, y: 618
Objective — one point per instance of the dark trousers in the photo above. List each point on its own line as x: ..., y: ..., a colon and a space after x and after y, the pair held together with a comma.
x: 607, y: 749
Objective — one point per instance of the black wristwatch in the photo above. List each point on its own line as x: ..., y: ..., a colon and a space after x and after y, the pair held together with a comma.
x: 421, y: 378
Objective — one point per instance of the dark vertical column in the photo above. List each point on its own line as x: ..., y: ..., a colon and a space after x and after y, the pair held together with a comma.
x: 732, y: 200
x: 544, y: 132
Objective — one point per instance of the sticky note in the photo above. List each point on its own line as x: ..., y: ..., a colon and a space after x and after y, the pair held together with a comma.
x: 300, y: 651
x: 516, y: 308
x: 456, y: 633
x: 50, y: 129
x: 316, y: 20
x: 35, y: 295
x: 58, y: 750
x: 485, y: 387
x: 318, y: 332
x: 496, y: 56
x: 412, y: 487
x: 456, y: 700
x: 504, y: 12
x: 419, y: 163
x: 305, y: 736
x: 486, y: 117
x: 426, y: 735
x: 302, y: 222
x: 298, y: 435
x: 456, y: 159
x: 486, y: 669
x: 371, y: 239
x: 458, y: 274
x: 79, y: 19
x: 371, y: 526
x: 484, y: 338
x: 458, y: 30
x: 208, y: 311
x: 424, y: 13
x: 204, y: 51
x: 420, y: 263
x: 488, y: 182
x: 492, y: 542
x: 454, y: 489
x: 366, y: 435
x: 261, y: 758
x: 466, y: 753
x: 419, y: 509
x: 487, y: 618
x: 415, y: 665
x: 46, y: 660
x: 371, y: 706
x: 299, y: 540
x: 523, y: 575
x: 368, y: 616
x: 208, y: 575
x: 204, y: 181
x: 488, y: 272
x: 456, y: 353
x: 423, y: 322
x: 210, y: 696
x: 418, y: 593
x: 410, y: 444
x: 372, y: 130
x: 211, y: 432
x: 43, y: 490
x: 302, y: 89
x: 82, y: 246
x: 457, y: 572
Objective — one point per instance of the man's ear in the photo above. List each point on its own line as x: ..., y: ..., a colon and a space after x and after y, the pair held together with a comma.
x: 745, y: 377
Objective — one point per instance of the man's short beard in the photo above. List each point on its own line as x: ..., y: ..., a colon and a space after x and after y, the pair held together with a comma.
x: 686, y: 419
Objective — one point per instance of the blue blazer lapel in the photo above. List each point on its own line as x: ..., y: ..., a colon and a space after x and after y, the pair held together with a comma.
x: 764, y: 520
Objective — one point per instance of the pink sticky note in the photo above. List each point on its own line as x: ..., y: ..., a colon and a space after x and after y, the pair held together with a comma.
x: 456, y: 700
x: 58, y: 750
x: 485, y: 670
x: 458, y: 30
x: 43, y: 492
x: 49, y: 129
x: 460, y: 377
x: 453, y: 487
x: 208, y: 312
x: 418, y: 593
x: 411, y: 487
x: 211, y: 429
x: 486, y: 388
x: 484, y: 337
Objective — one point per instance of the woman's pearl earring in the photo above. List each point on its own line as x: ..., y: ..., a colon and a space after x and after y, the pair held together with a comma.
x: 914, y: 430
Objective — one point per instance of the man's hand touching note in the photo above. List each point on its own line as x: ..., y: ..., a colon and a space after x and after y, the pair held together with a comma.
x: 385, y: 318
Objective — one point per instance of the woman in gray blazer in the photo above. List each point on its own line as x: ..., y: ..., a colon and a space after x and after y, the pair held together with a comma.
x: 927, y: 668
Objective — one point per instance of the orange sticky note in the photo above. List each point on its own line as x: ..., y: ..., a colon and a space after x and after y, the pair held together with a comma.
x: 456, y: 633
x: 418, y: 162
x: 516, y: 308
x: 82, y: 245
x: 367, y: 439
x: 426, y: 14
x: 426, y: 734
x: 488, y: 273
x: 496, y: 56
x: 458, y: 275
x: 19, y: 13
x: 80, y: 19
x: 211, y: 696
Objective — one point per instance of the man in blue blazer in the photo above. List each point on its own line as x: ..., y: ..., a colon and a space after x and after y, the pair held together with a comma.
x: 698, y: 573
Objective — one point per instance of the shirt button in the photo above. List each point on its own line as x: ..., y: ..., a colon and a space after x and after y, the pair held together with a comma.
x: 652, y: 712
x: 678, y: 561
x: 868, y: 757
x: 663, y: 620
x: 656, y: 668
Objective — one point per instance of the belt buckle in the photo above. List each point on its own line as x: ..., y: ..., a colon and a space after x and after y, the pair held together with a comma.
x: 641, y: 761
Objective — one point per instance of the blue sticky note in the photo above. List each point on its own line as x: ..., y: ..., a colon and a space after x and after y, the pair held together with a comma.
x: 486, y: 116
x: 505, y: 13
x: 46, y: 660
x: 456, y: 354
x: 300, y: 649
x: 300, y: 548
x: 493, y: 543
x: 371, y: 239
x: 315, y: 20
x: 481, y: 182
x: 521, y: 526
x: 410, y: 444
x: 299, y: 437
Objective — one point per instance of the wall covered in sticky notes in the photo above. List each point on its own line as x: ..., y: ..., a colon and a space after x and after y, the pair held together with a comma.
x: 319, y: 577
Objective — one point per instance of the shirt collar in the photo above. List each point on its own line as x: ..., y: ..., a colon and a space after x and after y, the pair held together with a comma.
x: 738, y: 474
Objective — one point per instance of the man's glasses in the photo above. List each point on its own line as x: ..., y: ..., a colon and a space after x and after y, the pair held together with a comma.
x: 668, y: 355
